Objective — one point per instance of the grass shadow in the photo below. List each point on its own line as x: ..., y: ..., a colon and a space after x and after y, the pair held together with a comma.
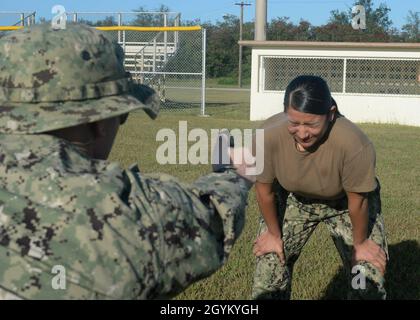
x: 401, y: 279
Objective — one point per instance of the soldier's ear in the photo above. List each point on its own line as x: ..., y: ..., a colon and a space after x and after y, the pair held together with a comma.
x: 333, y: 110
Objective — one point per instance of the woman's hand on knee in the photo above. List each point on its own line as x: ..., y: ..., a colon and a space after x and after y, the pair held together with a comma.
x: 371, y: 252
x: 267, y: 243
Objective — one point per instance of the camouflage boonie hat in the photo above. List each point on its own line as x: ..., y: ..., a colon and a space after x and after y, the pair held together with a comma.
x: 53, y: 79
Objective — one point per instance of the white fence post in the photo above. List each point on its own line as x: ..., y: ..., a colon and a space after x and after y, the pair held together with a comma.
x: 203, y: 76
x: 154, y: 55
x: 119, y: 23
x: 165, y: 37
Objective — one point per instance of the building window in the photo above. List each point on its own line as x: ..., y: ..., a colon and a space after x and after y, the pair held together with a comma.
x: 382, y: 76
x: 279, y: 71
x: 363, y: 76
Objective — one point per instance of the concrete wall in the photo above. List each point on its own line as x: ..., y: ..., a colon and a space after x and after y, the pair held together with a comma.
x: 377, y: 108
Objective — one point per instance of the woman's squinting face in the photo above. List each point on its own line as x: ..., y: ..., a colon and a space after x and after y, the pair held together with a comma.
x: 306, y: 128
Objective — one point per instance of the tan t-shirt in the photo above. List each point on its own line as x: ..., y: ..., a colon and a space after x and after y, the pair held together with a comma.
x: 344, y: 162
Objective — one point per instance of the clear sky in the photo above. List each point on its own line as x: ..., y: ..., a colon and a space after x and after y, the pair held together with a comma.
x: 315, y: 11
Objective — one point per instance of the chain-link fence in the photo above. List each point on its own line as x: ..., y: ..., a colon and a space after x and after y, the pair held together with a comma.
x: 346, y: 75
x: 132, y: 41
x: 159, y: 52
x: 172, y: 62
x: 177, y: 72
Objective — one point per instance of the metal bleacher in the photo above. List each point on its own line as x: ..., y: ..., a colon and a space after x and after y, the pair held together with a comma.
x: 149, y: 58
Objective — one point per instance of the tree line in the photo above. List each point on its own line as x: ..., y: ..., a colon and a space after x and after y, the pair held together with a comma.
x: 223, y: 51
x: 223, y: 35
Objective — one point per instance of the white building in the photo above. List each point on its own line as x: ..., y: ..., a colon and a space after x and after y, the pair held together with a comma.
x: 371, y: 82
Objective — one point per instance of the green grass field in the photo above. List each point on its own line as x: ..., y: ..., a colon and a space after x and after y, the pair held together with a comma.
x: 318, y: 273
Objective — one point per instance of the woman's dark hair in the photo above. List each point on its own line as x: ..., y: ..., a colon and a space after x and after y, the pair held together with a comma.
x: 309, y: 94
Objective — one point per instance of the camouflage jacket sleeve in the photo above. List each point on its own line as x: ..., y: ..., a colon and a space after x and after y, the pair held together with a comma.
x: 189, y: 229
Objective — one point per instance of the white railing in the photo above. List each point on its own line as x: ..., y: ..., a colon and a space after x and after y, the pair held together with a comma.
x: 25, y: 18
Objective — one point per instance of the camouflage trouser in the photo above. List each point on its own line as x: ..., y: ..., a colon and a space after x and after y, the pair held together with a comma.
x: 6, y: 295
x: 300, y: 216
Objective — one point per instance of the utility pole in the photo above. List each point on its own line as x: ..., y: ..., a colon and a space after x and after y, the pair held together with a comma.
x: 261, y: 20
x: 242, y: 4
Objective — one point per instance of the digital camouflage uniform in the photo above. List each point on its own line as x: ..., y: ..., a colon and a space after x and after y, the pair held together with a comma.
x: 300, y: 216
x: 118, y: 233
